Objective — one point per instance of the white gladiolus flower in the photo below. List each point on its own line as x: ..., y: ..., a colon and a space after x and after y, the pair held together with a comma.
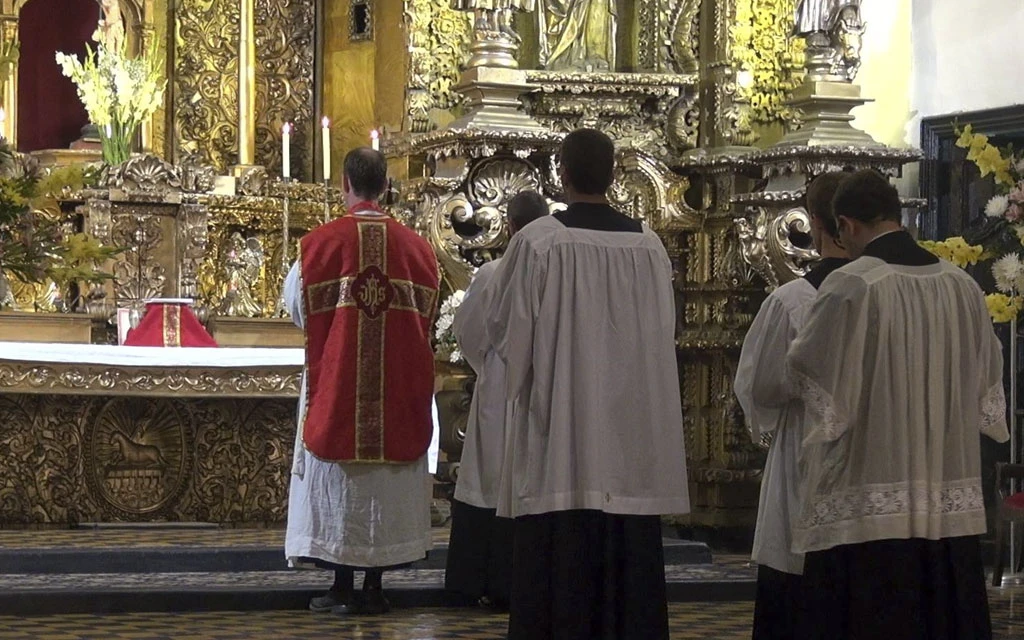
x: 997, y: 206
x: 1008, y: 273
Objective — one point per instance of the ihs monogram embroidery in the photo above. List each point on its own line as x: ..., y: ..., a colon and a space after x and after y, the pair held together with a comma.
x: 373, y: 291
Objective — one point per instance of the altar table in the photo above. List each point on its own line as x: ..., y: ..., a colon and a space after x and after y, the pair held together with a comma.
x: 96, y: 433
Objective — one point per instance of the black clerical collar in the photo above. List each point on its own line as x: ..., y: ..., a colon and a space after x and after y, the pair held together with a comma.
x: 817, y: 275
x: 898, y: 247
x: 597, y: 216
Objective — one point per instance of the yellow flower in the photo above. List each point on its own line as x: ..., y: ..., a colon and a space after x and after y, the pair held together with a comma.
x: 955, y: 250
x: 966, y: 135
x: 1002, y: 307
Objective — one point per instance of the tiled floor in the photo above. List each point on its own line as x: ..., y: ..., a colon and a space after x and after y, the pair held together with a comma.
x: 729, y: 621
x: 689, y: 621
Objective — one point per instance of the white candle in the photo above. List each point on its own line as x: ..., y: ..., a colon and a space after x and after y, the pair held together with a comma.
x: 375, y: 140
x: 286, y: 150
x: 109, y: 132
x: 327, y: 148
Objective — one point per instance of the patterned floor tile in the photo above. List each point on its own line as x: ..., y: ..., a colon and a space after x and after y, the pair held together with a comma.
x: 722, y: 621
x: 688, y: 621
x: 312, y: 579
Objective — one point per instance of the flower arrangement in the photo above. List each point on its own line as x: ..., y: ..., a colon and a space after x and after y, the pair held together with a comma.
x: 34, y: 246
x: 445, y: 345
x: 999, y: 240
x: 119, y: 94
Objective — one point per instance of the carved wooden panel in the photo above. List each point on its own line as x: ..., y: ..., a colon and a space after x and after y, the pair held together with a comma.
x: 70, y: 459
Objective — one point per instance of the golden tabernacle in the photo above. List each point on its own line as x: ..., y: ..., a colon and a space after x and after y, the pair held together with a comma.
x: 200, y: 187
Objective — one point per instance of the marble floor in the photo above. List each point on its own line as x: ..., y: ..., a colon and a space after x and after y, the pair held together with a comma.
x: 689, y: 621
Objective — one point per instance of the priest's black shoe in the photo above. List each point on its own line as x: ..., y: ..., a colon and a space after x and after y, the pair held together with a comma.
x: 330, y: 600
x: 370, y: 602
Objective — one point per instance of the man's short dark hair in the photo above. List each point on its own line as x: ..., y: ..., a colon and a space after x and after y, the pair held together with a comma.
x: 819, y: 199
x: 867, y: 196
x: 588, y: 159
x: 367, y: 172
x: 524, y: 208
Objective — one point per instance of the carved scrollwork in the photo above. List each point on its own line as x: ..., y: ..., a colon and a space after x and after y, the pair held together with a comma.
x: 493, y: 183
x: 196, y: 177
x: 648, y: 190
x: 138, y: 273
x: 637, y: 110
x: 206, y: 80
x: 439, y: 38
x: 146, y: 174
x: 681, y: 48
x: 767, y: 245
x: 98, y: 379
x: 771, y: 61
x: 253, y: 181
x: 75, y: 459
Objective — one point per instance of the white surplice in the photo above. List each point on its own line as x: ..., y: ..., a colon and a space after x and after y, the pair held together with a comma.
x: 480, y: 469
x: 585, y: 322
x: 901, y: 371
x: 771, y: 406
x: 358, y: 514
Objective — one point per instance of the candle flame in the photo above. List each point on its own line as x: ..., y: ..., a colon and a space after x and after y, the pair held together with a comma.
x: 286, y: 128
x: 374, y: 134
x: 326, y: 122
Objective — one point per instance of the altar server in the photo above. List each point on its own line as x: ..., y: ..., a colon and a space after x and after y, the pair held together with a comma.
x: 583, y: 316
x: 480, y: 549
x: 902, y: 373
x: 771, y: 407
x: 364, y: 289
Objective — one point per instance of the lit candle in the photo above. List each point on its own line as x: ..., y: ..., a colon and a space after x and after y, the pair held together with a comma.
x: 375, y: 140
x: 286, y: 150
x: 327, y: 148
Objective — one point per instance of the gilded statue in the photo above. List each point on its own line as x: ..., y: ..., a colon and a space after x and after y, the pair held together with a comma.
x: 110, y: 29
x: 242, y: 263
x: 833, y: 30
x: 495, y: 16
x: 577, y: 35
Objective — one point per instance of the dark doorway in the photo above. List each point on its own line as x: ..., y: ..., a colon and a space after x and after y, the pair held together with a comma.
x: 50, y: 115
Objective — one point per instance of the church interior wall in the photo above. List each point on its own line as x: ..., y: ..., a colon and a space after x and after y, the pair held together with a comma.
x: 886, y: 71
x: 966, y: 57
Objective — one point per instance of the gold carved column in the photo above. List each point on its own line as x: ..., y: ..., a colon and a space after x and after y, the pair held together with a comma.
x: 246, y: 84
x: 9, y: 50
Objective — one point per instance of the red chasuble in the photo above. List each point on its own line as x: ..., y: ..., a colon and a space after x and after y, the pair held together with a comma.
x: 370, y: 287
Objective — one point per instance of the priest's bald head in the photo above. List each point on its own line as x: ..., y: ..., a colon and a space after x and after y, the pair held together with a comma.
x: 365, y: 177
x: 866, y: 206
x: 524, y: 208
x: 586, y: 165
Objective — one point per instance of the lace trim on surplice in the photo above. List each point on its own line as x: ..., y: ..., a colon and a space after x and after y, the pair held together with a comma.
x: 993, y: 413
x: 823, y: 415
x: 962, y: 496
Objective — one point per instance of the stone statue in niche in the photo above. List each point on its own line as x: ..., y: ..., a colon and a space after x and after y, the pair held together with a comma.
x: 242, y: 263
x: 495, y: 16
x: 110, y: 29
x: 833, y: 30
x: 577, y: 35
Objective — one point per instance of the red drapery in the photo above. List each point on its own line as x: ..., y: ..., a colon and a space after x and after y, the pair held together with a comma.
x: 50, y: 115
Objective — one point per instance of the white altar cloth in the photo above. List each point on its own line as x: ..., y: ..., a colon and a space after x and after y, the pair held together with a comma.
x: 152, y: 357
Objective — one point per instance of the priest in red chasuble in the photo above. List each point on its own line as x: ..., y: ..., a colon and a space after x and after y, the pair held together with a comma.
x: 364, y: 289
